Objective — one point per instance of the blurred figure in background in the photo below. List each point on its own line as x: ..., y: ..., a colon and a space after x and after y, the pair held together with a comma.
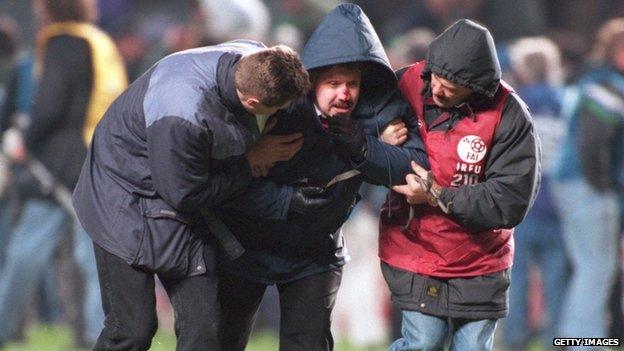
x: 228, y: 20
x: 536, y: 65
x: 185, y: 34
x: 8, y: 78
x: 18, y: 183
x: 410, y: 47
x: 178, y: 37
x: 8, y: 52
x: 588, y: 170
x: 79, y: 74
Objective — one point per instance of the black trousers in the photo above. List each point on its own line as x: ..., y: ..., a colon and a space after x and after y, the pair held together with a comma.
x: 129, y: 303
x: 305, y: 304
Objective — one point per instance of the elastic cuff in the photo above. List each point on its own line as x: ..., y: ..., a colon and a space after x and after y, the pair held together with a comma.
x: 447, y: 195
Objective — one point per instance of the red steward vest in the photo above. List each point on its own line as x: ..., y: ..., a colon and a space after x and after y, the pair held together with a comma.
x: 432, y: 243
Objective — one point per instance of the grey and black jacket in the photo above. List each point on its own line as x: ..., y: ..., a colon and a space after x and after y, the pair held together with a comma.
x: 171, y: 144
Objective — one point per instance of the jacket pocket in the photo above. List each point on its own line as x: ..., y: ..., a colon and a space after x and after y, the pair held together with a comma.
x: 165, y: 244
x: 399, y: 282
x: 482, y: 293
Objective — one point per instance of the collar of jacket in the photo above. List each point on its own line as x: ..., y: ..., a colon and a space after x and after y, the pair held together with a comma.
x: 321, y: 121
x: 226, y: 69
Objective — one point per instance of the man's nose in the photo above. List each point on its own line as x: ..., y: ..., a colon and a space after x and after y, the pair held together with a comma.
x: 344, y: 94
x: 436, y: 90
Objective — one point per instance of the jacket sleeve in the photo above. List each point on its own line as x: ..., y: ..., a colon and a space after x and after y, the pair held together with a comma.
x: 387, y: 164
x: 512, y: 176
x: 182, y: 170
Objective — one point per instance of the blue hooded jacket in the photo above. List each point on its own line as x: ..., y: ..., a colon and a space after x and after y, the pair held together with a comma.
x: 278, y: 248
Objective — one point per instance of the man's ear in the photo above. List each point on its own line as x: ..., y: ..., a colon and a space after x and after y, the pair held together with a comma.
x: 252, y: 101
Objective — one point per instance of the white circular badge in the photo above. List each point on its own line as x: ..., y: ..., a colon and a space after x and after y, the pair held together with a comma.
x: 471, y: 149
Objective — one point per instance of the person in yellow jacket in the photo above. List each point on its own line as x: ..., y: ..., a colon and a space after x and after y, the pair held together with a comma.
x: 79, y: 72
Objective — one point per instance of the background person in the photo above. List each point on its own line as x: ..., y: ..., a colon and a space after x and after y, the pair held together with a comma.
x: 536, y: 64
x: 588, y: 188
x: 79, y: 73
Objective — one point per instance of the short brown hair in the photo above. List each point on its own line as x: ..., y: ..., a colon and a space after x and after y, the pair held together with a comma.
x: 69, y: 10
x: 275, y: 75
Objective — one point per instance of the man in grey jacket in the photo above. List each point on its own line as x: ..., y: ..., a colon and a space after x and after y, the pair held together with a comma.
x: 182, y: 138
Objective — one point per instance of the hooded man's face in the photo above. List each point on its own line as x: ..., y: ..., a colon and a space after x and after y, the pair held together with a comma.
x: 446, y: 93
x: 337, y: 90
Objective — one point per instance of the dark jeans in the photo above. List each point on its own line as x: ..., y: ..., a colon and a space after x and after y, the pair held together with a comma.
x: 129, y: 303
x: 305, y: 319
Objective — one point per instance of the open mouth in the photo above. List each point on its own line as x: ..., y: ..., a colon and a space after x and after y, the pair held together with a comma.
x: 343, y: 107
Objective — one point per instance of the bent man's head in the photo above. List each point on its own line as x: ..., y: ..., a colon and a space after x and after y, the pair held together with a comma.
x: 462, y: 64
x: 270, y: 79
x: 337, y: 88
x: 446, y: 93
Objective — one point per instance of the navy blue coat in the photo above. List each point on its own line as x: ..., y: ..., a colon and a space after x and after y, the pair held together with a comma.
x: 279, y: 249
x: 172, y: 143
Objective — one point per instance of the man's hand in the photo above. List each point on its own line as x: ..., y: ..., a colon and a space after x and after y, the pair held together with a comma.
x: 310, y: 201
x: 349, y: 138
x: 421, y: 187
x: 270, y: 149
x: 413, y: 191
x: 395, y: 133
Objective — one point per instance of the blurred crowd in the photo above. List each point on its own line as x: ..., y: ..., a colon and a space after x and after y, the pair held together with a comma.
x: 565, y: 59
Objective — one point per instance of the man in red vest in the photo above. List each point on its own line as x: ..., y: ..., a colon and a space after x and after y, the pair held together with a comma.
x: 446, y: 242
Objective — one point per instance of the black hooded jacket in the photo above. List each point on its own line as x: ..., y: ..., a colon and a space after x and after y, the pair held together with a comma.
x: 465, y: 54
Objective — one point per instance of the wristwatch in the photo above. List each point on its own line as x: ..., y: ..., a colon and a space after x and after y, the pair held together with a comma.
x: 434, y: 195
x: 434, y: 191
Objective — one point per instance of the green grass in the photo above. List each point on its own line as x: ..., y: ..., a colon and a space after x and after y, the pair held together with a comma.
x: 44, y: 338
x: 58, y: 338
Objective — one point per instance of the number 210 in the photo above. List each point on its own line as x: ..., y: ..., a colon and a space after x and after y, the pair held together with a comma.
x: 464, y: 179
